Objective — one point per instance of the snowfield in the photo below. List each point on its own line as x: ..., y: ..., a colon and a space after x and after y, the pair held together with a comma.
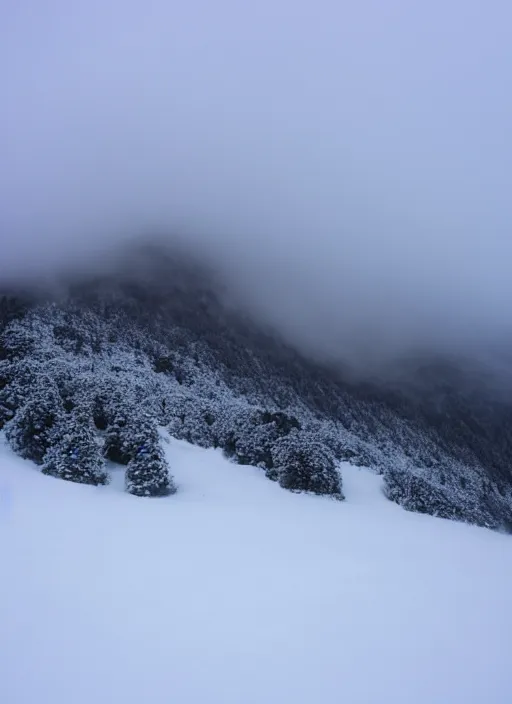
x: 235, y: 591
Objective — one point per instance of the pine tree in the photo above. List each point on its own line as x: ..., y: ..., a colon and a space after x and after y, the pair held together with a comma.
x: 75, y: 455
x: 118, y: 438
x: 256, y: 431
x: 7, y: 406
x: 21, y: 382
x: 30, y: 431
x: 304, y: 464
x: 147, y: 473
x: 190, y: 418
x: 17, y: 340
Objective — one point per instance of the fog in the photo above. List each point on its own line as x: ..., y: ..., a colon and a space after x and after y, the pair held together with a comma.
x: 347, y: 165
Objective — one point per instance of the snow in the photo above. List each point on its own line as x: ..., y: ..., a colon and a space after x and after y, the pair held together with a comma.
x: 235, y: 591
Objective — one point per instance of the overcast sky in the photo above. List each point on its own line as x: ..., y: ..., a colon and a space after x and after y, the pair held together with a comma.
x: 348, y: 163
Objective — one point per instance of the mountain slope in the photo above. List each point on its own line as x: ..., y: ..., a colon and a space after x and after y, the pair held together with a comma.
x: 154, y: 336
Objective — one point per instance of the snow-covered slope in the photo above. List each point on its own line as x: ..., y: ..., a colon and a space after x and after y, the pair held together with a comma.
x: 235, y: 591
x: 154, y: 342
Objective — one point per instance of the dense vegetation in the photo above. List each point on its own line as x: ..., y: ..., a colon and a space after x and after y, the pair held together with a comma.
x: 87, y: 377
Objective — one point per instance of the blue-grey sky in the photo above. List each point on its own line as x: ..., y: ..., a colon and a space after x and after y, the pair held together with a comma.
x: 348, y: 163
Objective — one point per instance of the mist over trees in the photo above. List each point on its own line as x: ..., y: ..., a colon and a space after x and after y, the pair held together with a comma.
x: 345, y: 166
x: 88, y: 378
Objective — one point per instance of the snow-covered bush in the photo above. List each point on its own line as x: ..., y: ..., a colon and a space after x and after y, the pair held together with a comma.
x: 415, y: 491
x: 30, y: 431
x: 100, y: 411
x: 74, y: 454
x: 7, y: 401
x: 248, y: 433
x: 19, y: 385
x: 17, y: 340
x: 247, y: 441
x: 147, y: 473
x: 118, y: 445
x: 191, y: 418
x: 301, y: 463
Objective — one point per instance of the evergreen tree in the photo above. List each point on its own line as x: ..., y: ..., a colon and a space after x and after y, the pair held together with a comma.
x: 257, y: 434
x: 75, y: 455
x: 247, y: 433
x: 17, y: 340
x: 301, y: 463
x: 30, y: 431
x: 190, y: 418
x: 99, y: 410
x: 147, y: 473
x: 252, y: 439
x: 118, y: 445
x: 7, y: 406
x: 21, y: 380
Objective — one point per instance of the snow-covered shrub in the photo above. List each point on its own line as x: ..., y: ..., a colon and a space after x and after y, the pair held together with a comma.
x: 30, y: 431
x: 20, y: 383
x: 252, y: 445
x: 147, y: 473
x: 7, y: 404
x: 342, y: 443
x: 282, y: 422
x: 244, y: 439
x: 118, y: 445
x: 249, y: 434
x: 74, y: 454
x: 120, y: 411
x: 414, y: 491
x: 191, y: 418
x: 17, y: 340
x: 108, y: 397
x: 301, y: 463
x: 99, y: 410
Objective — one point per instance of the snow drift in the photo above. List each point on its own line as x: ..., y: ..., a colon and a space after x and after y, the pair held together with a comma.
x: 234, y: 590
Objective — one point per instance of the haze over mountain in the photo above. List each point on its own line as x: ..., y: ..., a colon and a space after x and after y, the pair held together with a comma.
x: 347, y: 168
x: 89, y: 370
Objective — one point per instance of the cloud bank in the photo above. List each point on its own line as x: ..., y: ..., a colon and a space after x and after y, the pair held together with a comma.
x: 348, y: 165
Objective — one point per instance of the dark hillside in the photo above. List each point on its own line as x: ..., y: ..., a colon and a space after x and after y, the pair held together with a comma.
x: 152, y: 342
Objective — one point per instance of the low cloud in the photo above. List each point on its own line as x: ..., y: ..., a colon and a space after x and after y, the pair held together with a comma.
x: 347, y: 167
